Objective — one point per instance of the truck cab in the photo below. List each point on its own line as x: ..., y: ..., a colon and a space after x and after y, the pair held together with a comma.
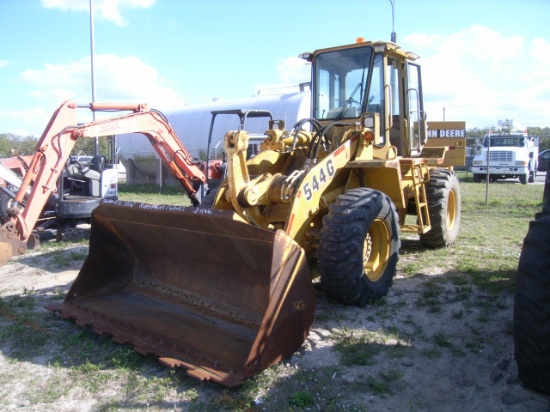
x: 509, y: 153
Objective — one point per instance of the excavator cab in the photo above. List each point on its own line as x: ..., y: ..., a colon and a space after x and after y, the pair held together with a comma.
x: 84, y: 182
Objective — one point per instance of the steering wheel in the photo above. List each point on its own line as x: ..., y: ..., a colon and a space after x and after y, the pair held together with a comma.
x: 82, y: 169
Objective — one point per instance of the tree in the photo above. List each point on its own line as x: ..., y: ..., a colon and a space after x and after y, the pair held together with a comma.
x: 14, y: 145
x: 25, y: 145
x: 544, y: 136
x: 86, y: 146
x: 5, y: 145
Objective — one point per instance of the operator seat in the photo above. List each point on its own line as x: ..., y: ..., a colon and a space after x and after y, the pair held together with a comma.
x: 98, y: 163
x: 84, y: 179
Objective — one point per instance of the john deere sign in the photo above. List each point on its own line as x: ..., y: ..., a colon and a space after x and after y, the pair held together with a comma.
x: 452, y: 135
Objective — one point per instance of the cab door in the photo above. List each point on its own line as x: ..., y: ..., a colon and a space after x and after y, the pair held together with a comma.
x: 415, y: 109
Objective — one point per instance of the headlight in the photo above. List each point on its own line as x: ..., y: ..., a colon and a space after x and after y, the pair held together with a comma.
x: 478, y: 162
x: 521, y: 163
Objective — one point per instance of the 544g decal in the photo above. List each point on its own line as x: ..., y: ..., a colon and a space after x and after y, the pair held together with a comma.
x: 319, y: 179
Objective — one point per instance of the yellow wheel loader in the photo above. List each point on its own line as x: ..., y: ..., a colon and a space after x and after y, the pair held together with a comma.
x: 226, y: 292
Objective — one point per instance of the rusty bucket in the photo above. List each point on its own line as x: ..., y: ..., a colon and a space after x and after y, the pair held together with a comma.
x: 198, y: 288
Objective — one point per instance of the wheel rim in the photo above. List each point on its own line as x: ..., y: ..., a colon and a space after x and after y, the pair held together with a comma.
x: 376, y: 250
x: 451, y: 210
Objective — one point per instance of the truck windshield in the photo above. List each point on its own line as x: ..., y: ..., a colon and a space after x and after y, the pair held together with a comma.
x: 505, y: 141
x: 341, y: 78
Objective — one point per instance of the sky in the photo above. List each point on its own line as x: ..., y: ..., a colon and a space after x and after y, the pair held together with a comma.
x: 482, y: 60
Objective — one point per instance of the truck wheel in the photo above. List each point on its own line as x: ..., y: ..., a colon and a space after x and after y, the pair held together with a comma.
x: 359, y: 246
x: 532, y: 307
x: 444, y: 208
x: 523, y: 178
x: 478, y: 177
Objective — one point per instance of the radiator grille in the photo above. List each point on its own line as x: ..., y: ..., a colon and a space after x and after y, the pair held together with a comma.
x: 500, y: 156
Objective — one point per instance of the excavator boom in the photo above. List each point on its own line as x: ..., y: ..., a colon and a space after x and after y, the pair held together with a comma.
x: 54, y: 148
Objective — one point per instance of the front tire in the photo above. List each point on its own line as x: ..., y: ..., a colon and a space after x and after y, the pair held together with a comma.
x: 359, y: 247
x: 523, y: 178
x: 444, y: 208
x: 533, y: 175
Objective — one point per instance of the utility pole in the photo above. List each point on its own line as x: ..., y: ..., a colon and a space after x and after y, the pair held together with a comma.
x: 487, y: 175
x: 92, y: 52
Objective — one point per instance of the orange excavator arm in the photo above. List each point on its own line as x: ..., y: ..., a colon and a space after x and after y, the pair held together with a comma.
x: 56, y: 144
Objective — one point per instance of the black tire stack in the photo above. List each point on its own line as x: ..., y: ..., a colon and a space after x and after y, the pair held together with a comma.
x: 532, y: 302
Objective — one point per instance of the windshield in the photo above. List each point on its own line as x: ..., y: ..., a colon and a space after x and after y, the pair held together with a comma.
x: 341, y: 82
x: 505, y: 141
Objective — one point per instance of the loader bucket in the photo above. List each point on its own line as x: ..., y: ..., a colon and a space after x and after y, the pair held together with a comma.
x: 198, y: 288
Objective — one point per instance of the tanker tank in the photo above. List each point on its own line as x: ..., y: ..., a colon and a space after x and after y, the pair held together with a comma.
x: 192, y: 124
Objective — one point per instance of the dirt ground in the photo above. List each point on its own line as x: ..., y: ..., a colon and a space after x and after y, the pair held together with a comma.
x: 453, y: 354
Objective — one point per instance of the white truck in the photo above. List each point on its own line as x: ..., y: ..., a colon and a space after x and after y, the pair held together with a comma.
x: 508, y: 153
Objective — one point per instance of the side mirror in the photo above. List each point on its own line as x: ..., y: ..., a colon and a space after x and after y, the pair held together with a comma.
x: 372, y: 121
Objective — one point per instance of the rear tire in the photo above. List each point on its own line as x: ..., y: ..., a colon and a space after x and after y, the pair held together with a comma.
x: 532, y: 307
x: 444, y: 208
x: 359, y: 247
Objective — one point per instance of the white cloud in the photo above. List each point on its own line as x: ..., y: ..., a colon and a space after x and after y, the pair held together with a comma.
x: 32, y: 121
x: 294, y: 70
x: 4, y: 63
x: 129, y: 78
x: 479, y: 75
x: 291, y: 72
x: 109, y: 10
x: 117, y: 79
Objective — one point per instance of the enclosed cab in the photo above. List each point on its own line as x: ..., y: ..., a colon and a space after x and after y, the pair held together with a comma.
x: 354, y: 82
x: 510, y: 153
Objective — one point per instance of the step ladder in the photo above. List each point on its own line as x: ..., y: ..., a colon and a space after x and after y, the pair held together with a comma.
x: 417, y: 172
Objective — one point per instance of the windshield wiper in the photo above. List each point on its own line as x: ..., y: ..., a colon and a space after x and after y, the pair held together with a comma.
x: 349, y: 101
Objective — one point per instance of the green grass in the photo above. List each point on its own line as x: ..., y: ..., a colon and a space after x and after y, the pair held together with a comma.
x: 360, y: 347
x: 301, y: 399
x: 472, y: 277
x: 490, y: 237
x: 148, y: 193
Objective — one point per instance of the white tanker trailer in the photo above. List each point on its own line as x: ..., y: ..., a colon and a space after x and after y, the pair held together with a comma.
x: 192, y: 125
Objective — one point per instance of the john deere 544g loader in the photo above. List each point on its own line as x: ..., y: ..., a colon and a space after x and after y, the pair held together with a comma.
x: 226, y: 291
